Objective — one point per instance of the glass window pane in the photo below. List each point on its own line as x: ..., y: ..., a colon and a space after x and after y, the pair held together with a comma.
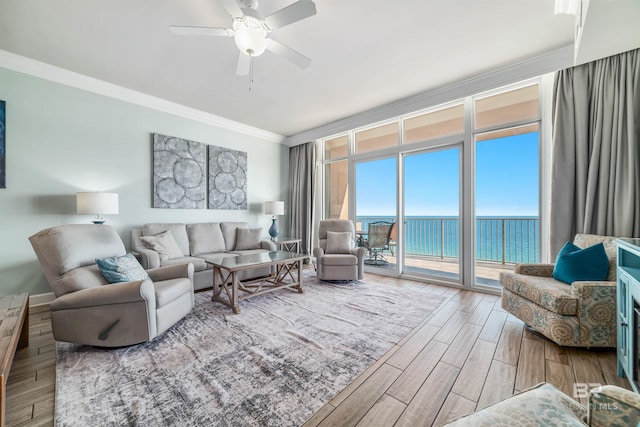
x: 377, y: 138
x: 445, y: 122
x: 337, y: 190
x: 376, y: 203
x: 508, y: 107
x: 337, y: 147
x: 507, y: 201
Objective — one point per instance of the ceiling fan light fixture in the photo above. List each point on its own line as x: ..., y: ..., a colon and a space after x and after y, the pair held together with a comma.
x: 249, y: 39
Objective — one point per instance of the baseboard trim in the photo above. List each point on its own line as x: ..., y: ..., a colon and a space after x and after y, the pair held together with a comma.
x: 41, y: 299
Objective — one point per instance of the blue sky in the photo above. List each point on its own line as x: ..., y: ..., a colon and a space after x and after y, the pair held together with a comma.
x: 506, y: 181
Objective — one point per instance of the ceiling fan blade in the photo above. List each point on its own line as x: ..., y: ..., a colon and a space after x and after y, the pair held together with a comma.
x: 294, y: 12
x: 200, y: 31
x: 232, y: 7
x: 287, y: 53
x: 244, y: 63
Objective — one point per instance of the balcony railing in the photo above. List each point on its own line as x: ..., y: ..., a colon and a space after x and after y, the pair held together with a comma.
x: 498, y: 239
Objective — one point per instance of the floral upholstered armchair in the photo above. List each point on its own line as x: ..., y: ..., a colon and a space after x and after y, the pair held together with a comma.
x: 580, y: 314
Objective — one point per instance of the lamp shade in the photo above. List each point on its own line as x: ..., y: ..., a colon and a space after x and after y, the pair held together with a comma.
x: 97, y: 203
x: 274, y: 208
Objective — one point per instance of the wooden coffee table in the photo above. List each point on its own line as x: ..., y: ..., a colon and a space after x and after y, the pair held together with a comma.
x: 229, y: 290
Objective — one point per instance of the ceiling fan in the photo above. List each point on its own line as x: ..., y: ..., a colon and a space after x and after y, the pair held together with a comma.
x: 250, y: 30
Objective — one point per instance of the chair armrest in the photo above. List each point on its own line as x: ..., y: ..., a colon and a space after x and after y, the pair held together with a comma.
x: 268, y: 244
x: 318, y: 252
x: 175, y: 271
x: 593, y: 295
x: 613, y: 406
x: 542, y: 270
x: 148, y: 258
x: 589, y: 288
x: 359, y: 252
x: 117, y: 293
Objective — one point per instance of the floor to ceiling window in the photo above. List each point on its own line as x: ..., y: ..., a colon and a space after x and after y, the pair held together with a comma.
x: 507, y: 181
x: 417, y: 172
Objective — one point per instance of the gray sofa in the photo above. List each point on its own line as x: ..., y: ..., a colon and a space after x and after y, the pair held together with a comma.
x: 88, y: 310
x: 198, y: 243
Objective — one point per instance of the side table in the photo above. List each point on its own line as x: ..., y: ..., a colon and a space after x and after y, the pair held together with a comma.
x: 289, y: 244
x: 14, y: 334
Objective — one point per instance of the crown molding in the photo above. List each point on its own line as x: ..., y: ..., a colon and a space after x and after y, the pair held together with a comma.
x: 22, y: 64
x: 545, y: 63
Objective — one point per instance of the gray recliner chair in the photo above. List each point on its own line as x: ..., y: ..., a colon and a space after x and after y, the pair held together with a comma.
x: 347, y: 264
x: 88, y: 310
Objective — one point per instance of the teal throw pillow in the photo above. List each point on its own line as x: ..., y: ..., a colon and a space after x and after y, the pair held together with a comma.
x: 121, y: 269
x: 574, y: 264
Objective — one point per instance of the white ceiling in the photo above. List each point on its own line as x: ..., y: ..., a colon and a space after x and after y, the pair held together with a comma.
x: 365, y: 53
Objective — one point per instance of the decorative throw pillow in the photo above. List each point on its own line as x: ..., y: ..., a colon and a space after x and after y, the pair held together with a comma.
x: 574, y: 264
x: 163, y: 243
x: 248, y: 238
x: 124, y: 268
x: 339, y: 242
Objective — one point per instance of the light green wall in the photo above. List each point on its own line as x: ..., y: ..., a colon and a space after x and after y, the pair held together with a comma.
x: 62, y: 140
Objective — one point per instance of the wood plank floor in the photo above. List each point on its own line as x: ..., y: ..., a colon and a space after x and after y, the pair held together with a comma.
x: 464, y: 357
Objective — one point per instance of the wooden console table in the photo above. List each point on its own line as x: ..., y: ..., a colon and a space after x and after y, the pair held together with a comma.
x: 14, y: 333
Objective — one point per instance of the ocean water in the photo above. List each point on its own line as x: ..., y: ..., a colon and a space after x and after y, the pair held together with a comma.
x: 499, y: 239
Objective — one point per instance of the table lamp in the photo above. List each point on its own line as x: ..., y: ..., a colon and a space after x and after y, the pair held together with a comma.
x: 274, y: 208
x: 97, y: 203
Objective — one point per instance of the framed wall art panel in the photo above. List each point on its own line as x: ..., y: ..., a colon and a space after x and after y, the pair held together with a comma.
x: 227, y: 179
x: 179, y: 173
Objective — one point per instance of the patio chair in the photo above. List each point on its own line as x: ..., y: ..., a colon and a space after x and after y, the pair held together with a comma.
x: 377, y: 242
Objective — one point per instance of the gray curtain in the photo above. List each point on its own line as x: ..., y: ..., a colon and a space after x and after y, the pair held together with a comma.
x: 595, y: 184
x: 302, y: 163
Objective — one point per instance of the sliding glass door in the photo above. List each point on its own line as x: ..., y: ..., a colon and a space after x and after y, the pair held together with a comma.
x: 431, y: 226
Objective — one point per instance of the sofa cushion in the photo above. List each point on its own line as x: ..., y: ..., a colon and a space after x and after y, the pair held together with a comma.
x: 574, y: 264
x: 339, y: 242
x: 178, y: 230
x: 124, y: 268
x: 229, y: 233
x: 205, y: 238
x: 163, y: 243
x: 168, y: 290
x: 339, y: 259
x: 198, y: 262
x: 247, y: 238
x: 545, y: 291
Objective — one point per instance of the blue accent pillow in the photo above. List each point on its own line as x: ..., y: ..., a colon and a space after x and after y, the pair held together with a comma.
x: 124, y: 268
x: 574, y: 264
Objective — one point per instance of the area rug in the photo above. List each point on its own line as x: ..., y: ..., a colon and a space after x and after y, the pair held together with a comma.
x: 274, y: 364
